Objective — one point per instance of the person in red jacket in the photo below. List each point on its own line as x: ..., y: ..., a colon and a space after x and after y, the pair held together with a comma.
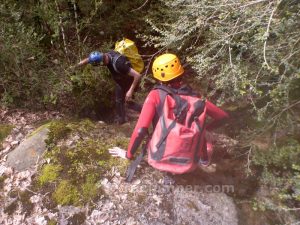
x: 172, y: 77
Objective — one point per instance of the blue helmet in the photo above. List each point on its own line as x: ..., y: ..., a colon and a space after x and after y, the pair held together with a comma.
x: 95, y: 58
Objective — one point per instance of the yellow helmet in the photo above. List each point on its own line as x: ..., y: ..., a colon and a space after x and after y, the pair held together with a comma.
x: 166, y: 67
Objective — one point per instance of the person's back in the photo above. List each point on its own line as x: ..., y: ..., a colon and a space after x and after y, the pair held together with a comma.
x: 119, y: 66
x: 168, y: 70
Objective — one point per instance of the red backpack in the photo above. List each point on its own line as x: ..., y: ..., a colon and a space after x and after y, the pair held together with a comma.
x: 178, y: 139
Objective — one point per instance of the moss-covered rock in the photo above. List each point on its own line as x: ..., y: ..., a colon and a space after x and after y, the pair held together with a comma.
x: 74, y: 170
x: 66, y: 193
x: 90, y: 189
x: 49, y: 173
x: 52, y: 222
x: 60, y: 129
x: 57, y: 130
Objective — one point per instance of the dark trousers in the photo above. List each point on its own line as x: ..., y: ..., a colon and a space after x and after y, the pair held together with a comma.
x: 120, y: 93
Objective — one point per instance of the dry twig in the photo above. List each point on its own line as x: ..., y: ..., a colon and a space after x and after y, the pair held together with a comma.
x: 77, y: 26
x: 267, y: 35
x: 62, y: 30
x: 140, y: 6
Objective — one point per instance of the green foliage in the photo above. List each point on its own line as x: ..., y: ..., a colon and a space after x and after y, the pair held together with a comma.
x: 247, y: 52
x: 281, y: 170
x: 4, y: 131
x: 41, y: 39
x: 66, y: 193
x: 27, y: 73
x: 283, y: 157
x: 49, y: 173
x: 258, y: 205
x: 93, y: 88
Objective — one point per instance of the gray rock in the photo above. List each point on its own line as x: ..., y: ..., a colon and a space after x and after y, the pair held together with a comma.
x: 29, y: 151
x: 192, y: 207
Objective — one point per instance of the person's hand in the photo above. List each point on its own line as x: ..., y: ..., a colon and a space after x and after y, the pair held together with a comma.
x: 72, y: 68
x: 117, y: 152
x: 128, y: 96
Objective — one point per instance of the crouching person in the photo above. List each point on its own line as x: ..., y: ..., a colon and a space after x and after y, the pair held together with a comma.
x: 177, y: 144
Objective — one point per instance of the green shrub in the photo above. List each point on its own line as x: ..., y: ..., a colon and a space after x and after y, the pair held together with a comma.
x: 281, y: 170
x: 92, y: 88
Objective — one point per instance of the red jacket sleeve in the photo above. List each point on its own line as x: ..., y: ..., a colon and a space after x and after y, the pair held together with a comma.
x: 217, y: 114
x: 144, y: 121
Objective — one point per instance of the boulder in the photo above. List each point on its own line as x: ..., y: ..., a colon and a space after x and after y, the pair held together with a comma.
x: 29, y: 151
x: 192, y: 207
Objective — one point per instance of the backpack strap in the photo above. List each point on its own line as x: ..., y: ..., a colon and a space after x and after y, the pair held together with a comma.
x: 183, y: 90
x: 181, y: 105
x: 133, y: 166
x: 186, y: 90
x: 180, y: 116
x: 205, y: 154
x: 198, y: 109
x: 197, y: 122
x: 180, y: 111
x: 114, y: 60
x: 159, y: 154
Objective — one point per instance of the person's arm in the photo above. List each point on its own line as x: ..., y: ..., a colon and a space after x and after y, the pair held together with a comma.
x: 218, y: 115
x: 83, y: 62
x: 94, y: 58
x: 141, y: 128
x: 136, y: 78
x: 143, y: 123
